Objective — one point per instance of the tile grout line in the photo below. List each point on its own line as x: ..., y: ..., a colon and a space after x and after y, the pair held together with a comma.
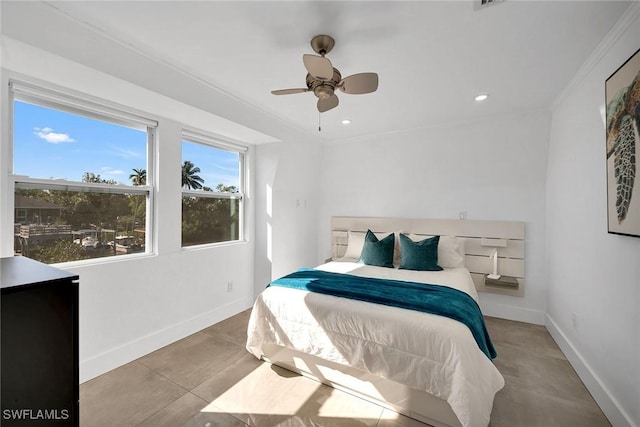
x: 187, y: 390
x: 172, y: 382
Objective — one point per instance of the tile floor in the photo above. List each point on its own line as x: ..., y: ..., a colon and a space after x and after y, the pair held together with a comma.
x: 209, y: 380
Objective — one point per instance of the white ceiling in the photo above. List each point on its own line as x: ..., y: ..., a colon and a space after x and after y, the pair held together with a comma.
x: 432, y: 57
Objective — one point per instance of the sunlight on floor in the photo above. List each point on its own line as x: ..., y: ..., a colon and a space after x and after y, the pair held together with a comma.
x: 348, y: 382
x: 291, y: 400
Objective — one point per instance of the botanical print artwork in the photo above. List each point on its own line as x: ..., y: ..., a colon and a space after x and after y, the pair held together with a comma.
x: 623, y: 142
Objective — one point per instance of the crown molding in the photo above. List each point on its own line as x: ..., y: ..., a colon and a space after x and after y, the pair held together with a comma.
x: 629, y: 17
x: 109, y: 34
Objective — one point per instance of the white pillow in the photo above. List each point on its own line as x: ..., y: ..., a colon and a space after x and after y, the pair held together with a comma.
x: 355, y: 243
x: 450, y: 250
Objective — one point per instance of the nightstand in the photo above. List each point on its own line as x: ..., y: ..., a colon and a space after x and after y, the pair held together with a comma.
x: 504, y: 282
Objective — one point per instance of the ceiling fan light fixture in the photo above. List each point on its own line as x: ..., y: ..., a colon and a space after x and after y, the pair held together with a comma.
x: 481, y: 97
x: 323, y: 91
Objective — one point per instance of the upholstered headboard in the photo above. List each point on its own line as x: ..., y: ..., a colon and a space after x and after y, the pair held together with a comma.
x: 475, y: 233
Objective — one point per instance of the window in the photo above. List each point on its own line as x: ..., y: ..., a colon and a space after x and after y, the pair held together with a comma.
x: 212, y: 190
x: 80, y: 172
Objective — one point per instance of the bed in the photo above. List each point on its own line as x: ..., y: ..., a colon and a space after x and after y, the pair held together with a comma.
x: 422, y: 365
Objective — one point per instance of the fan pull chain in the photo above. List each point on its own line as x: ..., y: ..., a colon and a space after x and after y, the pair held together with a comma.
x: 319, y: 122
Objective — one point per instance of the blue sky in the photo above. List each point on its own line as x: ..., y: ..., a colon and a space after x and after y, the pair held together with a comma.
x: 54, y: 144
x: 217, y: 166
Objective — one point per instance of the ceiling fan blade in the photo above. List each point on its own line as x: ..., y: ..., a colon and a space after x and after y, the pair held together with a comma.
x: 359, y: 83
x: 318, y: 66
x: 289, y: 91
x: 327, y: 103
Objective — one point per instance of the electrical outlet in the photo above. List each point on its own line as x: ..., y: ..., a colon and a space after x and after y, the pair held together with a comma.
x: 230, y: 286
x: 463, y: 215
x: 574, y: 320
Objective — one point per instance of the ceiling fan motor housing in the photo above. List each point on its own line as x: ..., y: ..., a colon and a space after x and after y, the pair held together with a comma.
x: 323, y: 89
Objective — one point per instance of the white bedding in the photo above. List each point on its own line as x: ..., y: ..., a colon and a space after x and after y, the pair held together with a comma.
x: 426, y: 352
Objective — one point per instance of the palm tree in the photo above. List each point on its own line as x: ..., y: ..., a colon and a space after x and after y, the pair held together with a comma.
x: 139, y: 176
x: 189, y: 178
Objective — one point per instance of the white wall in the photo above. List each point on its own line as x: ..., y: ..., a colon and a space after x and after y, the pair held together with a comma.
x: 593, y: 275
x: 490, y: 169
x: 131, y: 307
x: 287, y: 209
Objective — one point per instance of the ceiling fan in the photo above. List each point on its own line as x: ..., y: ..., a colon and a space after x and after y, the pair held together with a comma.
x: 323, y: 79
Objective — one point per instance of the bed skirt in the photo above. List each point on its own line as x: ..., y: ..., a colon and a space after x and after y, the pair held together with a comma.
x: 388, y: 394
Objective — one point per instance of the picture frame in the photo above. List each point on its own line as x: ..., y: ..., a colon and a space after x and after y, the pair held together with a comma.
x: 622, y: 100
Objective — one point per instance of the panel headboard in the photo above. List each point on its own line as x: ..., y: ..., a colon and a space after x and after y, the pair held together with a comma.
x: 477, y: 259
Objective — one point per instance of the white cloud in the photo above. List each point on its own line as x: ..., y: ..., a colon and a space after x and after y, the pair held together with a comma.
x: 52, y: 137
x: 108, y: 170
x: 127, y: 154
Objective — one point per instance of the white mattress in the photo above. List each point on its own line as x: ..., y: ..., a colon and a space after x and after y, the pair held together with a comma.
x: 426, y: 352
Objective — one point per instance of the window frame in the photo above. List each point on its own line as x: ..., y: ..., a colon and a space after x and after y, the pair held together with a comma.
x: 225, y: 144
x: 71, y: 102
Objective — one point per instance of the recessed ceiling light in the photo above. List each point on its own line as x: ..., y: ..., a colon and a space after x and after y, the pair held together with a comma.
x: 481, y: 97
x: 346, y: 121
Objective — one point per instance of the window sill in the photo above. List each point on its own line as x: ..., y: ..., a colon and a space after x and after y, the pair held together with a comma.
x: 104, y: 260
x: 214, y: 245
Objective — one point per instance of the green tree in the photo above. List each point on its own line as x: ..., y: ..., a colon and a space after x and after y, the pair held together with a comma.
x: 190, y: 179
x: 138, y: 177
x: 92, y: 177
x: 207, y: 220
x: 59, y: 251
x: 221, y: 188
x: 100, y: 210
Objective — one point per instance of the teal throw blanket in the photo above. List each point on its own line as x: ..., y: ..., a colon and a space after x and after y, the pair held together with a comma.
x: 434, y: 299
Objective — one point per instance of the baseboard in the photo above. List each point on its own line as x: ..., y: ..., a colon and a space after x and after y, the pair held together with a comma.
x: 601, y: 394
x: 510, y: 312
x: 111, y: 359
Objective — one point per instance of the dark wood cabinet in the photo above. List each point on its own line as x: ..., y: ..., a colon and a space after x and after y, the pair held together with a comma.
x: 39, y: 376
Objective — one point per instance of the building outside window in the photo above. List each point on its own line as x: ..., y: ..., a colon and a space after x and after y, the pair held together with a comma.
x: 213, y: 190
x: 81, y: 174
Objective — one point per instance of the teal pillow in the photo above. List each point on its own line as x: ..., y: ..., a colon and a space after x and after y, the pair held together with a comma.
x: 422, y: 255
x: 378, y: 252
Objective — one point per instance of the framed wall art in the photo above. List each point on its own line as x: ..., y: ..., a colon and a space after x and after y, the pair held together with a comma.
x: 622, y: 93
